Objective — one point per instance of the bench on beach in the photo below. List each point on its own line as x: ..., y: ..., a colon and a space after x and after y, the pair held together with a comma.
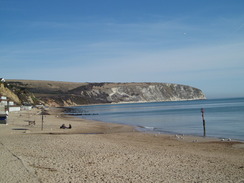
x: 31, y: 122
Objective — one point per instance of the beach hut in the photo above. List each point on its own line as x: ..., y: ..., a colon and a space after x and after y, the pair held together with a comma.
x: 2, y: 80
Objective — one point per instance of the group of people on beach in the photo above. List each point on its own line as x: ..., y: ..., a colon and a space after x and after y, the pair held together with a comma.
x: 65, y: 127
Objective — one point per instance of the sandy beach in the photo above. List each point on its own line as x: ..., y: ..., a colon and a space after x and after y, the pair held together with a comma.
x: 102, y: 152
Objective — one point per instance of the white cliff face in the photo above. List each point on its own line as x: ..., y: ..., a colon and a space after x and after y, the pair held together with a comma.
x: 145, y: 92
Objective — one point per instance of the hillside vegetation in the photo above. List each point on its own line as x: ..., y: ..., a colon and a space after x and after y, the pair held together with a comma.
x: 4, y: 91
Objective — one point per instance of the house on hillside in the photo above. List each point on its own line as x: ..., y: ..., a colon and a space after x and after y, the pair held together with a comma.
x: 8, y: 104
x: 2, y: 80
x: 3, y: 100
x: 3, y: 97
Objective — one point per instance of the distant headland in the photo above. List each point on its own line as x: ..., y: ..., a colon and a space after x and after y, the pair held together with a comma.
x: 61, y: 94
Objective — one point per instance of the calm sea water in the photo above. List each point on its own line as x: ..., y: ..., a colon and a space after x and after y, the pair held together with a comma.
x: 224, y: 117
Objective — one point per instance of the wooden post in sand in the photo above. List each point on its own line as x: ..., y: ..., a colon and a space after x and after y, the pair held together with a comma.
x: 42, y: 118
x: 203, y: 120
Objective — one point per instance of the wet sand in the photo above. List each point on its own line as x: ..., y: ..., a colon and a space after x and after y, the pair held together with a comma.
x: 102, y: 152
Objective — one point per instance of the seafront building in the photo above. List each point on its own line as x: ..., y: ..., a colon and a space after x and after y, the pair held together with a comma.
x: 3, y: 100
x: 7, y: 106
x: 3, y: 110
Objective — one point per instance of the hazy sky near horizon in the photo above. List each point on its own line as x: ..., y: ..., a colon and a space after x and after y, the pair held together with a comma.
x: 197, y: 43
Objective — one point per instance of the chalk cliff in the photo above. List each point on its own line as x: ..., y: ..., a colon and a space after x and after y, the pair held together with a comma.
x: 137, y: 92
x: 53, y: 93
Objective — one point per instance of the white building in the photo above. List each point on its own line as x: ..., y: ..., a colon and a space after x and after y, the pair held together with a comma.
x: 26, y: 107
x: 2, y: 80
x: 9, y: 105
x: 14, y: 108
x: 3, y: 100
x: 3, y: 97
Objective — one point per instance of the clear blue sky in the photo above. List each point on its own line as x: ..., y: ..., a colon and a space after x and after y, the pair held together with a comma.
x: 192, y: 42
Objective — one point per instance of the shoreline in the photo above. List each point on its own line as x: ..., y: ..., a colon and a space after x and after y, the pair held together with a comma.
x: 214, y: 130
x: 95, y: 151
x: 136, y: 102
x: 144, y: 129
x: 177, y: 136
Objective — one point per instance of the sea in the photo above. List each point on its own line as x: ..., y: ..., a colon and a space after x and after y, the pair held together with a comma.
x: 224, y: 118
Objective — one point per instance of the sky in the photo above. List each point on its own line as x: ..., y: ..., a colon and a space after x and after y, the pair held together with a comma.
x: 190, y: 42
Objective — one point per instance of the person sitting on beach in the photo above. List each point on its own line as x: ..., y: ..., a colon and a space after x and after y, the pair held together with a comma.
x: 70, y: 126
x: 63, y: 126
